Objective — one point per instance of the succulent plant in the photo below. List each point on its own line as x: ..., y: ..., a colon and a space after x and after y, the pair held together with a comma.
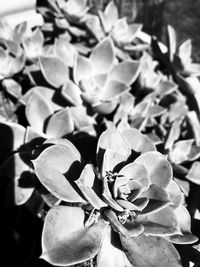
x: 101, y: 78
x: 135, y: 198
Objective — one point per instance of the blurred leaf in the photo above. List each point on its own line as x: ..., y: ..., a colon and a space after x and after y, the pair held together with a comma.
x: 12, y: 87
x: 54, y: 70
x: 109, y: 16
x: 65, y: 51
x: 37, y: 111
x: 112, y: 90
x: 195, y: 125
x: 102, y: 56
x: 60, y: 123
x: 172, y: 42
x: 125, y: 72
x: 194, y: 173
x: 83, y: 69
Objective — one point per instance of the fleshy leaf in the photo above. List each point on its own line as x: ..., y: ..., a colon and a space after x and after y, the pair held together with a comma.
x: 107, y: 197
x: 47, y: 93
x: 64, y: 142
x: 85, y: 183
x: 102, y: 56
x: 112, y: 90
x: 151, y: 251
x: 33, y: 45
x: 56, y: 167
x: 136, y: 172
x: 156, y: 193
x: 109, y: 16
x: 65, y: 240
x: 65, y: 51
x: 158, y: 167
x: 195, y: 125
x: 54, y: 70
x: 181, y: 150
x: 72, y: 93
x: 12, y: 87
x: 111, y: 160
x: 184, y: 222
x: 110, y: 255
x: 138, y: 141
x: 125, y: 72
x: 193, y: 174
x: 160, y: 223
x: 60, y: 124
x: 83, y: 69
x: 37, y: 111
x: 171, y: 34
x: 175, y: 194
x: 112, y: 139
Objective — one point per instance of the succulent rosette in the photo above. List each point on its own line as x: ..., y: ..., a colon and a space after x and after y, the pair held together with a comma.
x: 109, y: 23
x: 74, y: 10
x: 129, y: 196
x: 102, y: 78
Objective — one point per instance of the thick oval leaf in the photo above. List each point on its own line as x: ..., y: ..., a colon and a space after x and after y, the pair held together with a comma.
x: 72, y: 93
x: 184, y: 221
x: 175, y: 194
x: 60, y: 124
x: 193, y: 174
x: 65, y: 51
x: 102, y: 56
x: 138, y: 141
x: 150, y: 251
x: 125, y: 72
x: 65, y: 240
x: 65, y: 142
x: 83, y: 69
x: 54, y: 70
x: 85, y: 183
x: 158, y: 167
x: 113, y: 140
x: 110, y: 255
x: 160, y: 223
x: 56, y: 168
x: 37, y: 111
x: 181, y: 150
x: 111, y: 160
x: 47, y: 93
x: 136, y: 172
x: 113, y: 89
x: 12, y: 87
x: 12, y: 136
